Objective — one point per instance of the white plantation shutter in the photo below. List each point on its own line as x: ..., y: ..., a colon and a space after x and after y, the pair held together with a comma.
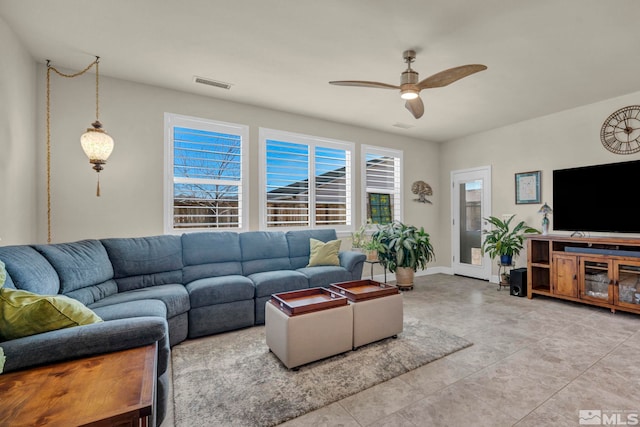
x: 332, y: 195
x: 307, y: 181
x: 206, y: 161
x: 287, y: 187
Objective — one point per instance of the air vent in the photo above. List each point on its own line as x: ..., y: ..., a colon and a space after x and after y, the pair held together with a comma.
x: 210, y: 82
x: 402, y: 125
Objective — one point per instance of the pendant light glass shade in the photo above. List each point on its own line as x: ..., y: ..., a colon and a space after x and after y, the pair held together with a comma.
x: 97, y: 145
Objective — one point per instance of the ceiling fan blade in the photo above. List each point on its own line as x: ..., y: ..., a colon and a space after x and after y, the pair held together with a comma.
x: 446, y: 77
x: 415, y: 106
x: 364, y: 84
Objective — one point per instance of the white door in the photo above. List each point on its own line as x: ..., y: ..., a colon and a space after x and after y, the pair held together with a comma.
x: 470, y: 203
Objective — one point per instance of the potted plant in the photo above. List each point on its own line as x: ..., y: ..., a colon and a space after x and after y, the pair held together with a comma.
x: 372, y: 247
x: 362, y: 241
x: 503, y: 241
x: 359, y: 237
x: 402, y: 250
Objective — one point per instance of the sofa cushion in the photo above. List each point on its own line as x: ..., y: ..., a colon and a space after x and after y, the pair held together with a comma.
x: 125, y: 310
x: 90, y: 294
x: 8, y: 283
x: 323, y: 276
x: 140, y: 262
x: 211, y: 254
x: 84, y: 269
x: 83, y: 341
x: 217, y: 318
x: 264, y: 251
x: 29, y: 270
x: 23, y: 313
x: 175, y: 298
x: 220, y: 290
x: 3, y: 274
x: 299, y: 248
x: 324, y: 253
x: 273, y: 282
x: 78, y: 264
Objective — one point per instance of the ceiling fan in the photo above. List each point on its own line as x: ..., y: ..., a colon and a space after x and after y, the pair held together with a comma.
x: 410, y: 87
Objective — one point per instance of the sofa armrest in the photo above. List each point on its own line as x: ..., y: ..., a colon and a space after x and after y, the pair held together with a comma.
x: 350, y: 260
x: 82, y: 341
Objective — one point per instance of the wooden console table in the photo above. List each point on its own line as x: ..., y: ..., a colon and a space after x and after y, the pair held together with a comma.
x: 114, y: 389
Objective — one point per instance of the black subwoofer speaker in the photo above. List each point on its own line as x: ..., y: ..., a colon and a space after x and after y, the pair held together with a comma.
x: 518, y: 282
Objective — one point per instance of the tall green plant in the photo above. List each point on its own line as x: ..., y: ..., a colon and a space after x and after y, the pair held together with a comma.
x: 403, y: 245
x: 502, y: 240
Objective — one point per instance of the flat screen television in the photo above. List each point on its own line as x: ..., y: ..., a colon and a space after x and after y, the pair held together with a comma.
x: 599, y: 198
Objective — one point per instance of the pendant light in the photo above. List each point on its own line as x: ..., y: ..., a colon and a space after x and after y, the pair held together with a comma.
x: 96, y: 143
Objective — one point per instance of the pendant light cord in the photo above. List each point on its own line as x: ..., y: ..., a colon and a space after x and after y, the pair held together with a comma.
x: 50, y: 68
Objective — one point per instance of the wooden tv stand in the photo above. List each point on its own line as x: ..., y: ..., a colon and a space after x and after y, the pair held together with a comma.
x: 602, y: 271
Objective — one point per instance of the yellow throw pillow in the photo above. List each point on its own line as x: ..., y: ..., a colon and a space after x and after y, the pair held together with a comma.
x: 324, y: 253
x: 24, y: 313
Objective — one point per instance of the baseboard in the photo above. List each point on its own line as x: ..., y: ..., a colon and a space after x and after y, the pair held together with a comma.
x: 431, y: 270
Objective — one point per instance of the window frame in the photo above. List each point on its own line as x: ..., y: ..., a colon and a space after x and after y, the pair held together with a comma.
x: 312, y: 142
x: 172, y: 120
x: 398, y: 200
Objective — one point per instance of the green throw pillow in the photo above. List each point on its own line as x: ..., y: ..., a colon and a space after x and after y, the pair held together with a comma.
x: 324, y: 253
x: 24, y: 313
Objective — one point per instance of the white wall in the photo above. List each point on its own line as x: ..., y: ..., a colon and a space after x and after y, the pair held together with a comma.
x: 132, y: 192
x: 566, y: 139
x: 17, y: 141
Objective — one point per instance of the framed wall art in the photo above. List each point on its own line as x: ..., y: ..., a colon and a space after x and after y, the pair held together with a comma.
x: 528, y: 188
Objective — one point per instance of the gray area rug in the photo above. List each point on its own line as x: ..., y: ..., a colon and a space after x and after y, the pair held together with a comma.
x: 232, y: 379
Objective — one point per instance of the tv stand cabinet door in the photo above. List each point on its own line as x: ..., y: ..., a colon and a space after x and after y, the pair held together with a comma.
x: 565, y: 275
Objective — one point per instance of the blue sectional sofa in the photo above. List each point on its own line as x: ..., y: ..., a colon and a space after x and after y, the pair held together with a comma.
x: 163, y: 289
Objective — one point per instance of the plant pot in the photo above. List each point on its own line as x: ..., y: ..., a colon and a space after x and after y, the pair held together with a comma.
x: 372, y: 255
x: 404, y: 277
x: 506, y: 259
x: 504, y: 279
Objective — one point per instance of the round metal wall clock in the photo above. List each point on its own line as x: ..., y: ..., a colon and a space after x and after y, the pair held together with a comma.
x: 620, y: 133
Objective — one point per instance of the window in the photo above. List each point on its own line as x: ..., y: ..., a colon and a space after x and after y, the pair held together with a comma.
x: 306, y: 181
x: 381, y: 170
x: 205, y: 174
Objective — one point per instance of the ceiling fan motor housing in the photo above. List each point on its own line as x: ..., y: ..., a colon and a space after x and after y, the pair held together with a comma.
x: 409, y: 84
x: 409, y: 77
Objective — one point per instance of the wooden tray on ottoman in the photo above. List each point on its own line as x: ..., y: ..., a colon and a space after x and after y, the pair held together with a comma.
x: 362, y: 290
x: 307, y: 300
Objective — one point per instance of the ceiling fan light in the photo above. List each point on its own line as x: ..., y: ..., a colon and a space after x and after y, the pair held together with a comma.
x: 409, y: 94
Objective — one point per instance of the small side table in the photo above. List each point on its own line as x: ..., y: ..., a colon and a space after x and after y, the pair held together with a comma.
x: 503, y: 269
x: 376, y: 261
x: 113, y: 389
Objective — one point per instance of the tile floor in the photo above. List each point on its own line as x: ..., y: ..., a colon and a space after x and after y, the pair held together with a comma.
x: 534, y: 362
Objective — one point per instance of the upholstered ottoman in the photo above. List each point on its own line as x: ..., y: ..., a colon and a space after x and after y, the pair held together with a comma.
x: 308, y: 325
x: 377, y: 310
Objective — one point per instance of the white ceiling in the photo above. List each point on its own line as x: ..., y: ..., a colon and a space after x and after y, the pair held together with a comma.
x: 543, y: 56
